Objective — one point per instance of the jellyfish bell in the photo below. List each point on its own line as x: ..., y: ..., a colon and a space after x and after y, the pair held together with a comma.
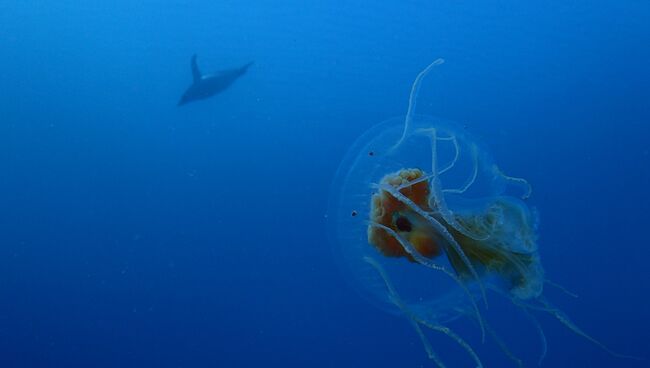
x: 425, y: 224
x: 400, y: 203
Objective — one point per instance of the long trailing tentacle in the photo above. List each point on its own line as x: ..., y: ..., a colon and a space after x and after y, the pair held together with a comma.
x: 566, y: 321
x: 437, y: 192
x: 427, y: 345
x: 502, y: 345
x: 413, y: 97
x: 408, y: 248
x: 411, y: 183
x: 454, y: 336
x: 454, y: 140
x: 528, y: 189
x: 470, y: 181
x: 547, y: 307
x: 498, y: 340
x: 417, y: 322
x: 540, y: 333
x: 525, y: 307
x: 561, y: 288
x: 395, y: 299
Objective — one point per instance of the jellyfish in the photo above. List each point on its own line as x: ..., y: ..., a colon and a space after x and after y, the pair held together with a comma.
x: 430, y: 228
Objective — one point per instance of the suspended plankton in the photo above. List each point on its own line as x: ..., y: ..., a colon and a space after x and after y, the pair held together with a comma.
x: 430, y: 228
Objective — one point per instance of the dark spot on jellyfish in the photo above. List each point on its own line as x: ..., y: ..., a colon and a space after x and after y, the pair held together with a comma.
x: 371, y: 153
x: 403, y: 224
x: 354, y: 213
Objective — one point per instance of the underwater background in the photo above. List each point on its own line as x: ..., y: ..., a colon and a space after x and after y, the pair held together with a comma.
x: 136, y: 233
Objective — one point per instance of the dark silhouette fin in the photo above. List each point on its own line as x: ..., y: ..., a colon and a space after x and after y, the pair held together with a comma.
x: 196, y: 73
x: 208, y: 85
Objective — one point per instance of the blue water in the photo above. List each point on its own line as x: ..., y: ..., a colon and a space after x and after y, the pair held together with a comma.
x: 134, y: 233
